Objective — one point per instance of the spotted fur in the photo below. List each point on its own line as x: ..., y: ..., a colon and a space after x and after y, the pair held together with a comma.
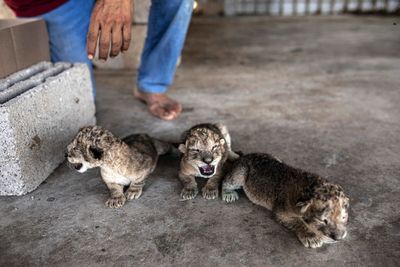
x: 122, y: 162
x: 315, y: 209
x: 205, y: 148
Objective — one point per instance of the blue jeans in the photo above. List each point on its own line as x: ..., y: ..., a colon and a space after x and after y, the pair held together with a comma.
x: 168, y: 23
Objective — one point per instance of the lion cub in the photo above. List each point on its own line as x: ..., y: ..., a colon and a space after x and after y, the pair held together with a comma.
x: 122, y: 163
x: 313, y: 208
x: 205, y: 149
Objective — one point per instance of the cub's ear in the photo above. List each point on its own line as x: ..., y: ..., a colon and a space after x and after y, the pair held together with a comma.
x: 303, y: 204
x: 222, y: 141
x: 96, y: 153
x: 182, y: 148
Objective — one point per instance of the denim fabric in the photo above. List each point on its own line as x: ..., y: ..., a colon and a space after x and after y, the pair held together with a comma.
x: 67, y: 26
x: 168, y: 23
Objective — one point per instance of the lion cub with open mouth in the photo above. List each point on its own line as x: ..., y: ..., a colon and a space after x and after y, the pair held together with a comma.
x: 205, y: 149
x: 125, y: 162
x: 316, y: 210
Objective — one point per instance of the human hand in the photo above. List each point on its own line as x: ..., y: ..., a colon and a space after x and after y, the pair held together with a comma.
x: 111, y: 22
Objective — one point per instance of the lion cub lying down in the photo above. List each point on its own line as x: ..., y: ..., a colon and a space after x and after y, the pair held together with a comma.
x: 313, y: 208
x: 205, y: 149
x: 122, y: 163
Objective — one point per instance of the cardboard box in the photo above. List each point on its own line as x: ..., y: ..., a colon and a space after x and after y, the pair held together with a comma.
x: 23, y: 42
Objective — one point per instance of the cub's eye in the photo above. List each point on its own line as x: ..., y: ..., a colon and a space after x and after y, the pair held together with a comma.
x: 194, y: 150
x: 325, y: 221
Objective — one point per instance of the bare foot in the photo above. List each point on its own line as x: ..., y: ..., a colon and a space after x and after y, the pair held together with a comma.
x: 160, y: 105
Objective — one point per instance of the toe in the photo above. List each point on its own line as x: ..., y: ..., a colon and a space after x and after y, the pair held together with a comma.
x: 230, y: 196
x: 188, y: 193
x: 210, y: 194
x: 168, y: 116
x: 156, y: 110
x: 170, y: 112
x: 166, y: 111
x: 161, y: 112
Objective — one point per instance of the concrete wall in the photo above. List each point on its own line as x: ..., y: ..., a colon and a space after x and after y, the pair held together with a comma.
x: 209, y: 7
x: 306, y: 7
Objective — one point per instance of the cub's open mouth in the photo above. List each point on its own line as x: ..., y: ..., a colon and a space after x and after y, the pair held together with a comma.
x: 207, y: 170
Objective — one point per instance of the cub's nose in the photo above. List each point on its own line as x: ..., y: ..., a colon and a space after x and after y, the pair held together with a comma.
x: 338, y: 236
x: 208, y: 160
x: 78, y: 166
x: 333, y: 236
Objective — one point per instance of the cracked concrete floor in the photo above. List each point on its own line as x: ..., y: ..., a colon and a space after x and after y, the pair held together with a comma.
x: 320, y: 93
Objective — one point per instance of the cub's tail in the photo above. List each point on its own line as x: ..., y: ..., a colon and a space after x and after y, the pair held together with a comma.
x: 164, y: 147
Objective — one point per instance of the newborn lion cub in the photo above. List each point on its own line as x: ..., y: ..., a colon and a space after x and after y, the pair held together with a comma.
x: 205, y: 149
x: 122, y: 163
x: 313, y: 208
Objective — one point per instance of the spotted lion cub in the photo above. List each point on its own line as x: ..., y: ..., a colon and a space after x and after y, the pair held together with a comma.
x: 122, y: 163
x: 313, y: 208
x: 205, y: 149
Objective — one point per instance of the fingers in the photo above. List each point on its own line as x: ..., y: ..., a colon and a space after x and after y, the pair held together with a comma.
x: 104, y: 41
x: 92, y: 37
x: 110, y: 25
x: 120, y: 40
x: 126, y: 31
x: 116, y: 41
x: 118, y: 37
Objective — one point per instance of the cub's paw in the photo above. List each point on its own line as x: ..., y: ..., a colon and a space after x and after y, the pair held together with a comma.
x: 311, y: 239
x: 210, y: 192
x: 229, y: 196
x: 189, y: 193
x: 116, y: 202
x: 133, y: 193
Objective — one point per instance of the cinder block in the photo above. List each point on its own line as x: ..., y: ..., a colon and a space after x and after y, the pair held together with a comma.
x: 41, y: 109
x: 23, y: 75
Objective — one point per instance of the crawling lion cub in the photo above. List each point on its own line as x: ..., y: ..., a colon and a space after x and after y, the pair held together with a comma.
x: 122, y: 163
x: 313, y: 208
x: 205, y: 149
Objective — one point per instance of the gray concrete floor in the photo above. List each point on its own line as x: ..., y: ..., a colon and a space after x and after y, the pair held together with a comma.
x: 320, y: 93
